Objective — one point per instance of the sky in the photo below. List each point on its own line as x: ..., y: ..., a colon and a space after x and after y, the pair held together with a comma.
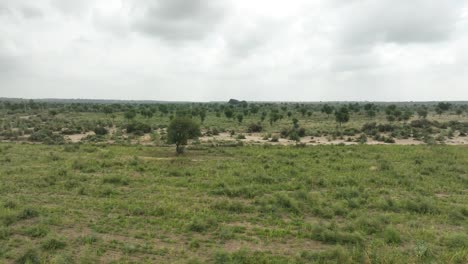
x: 255, y: 50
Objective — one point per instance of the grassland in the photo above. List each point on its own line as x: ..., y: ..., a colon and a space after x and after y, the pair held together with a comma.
x: 383, y: 123
x: 83, y: 203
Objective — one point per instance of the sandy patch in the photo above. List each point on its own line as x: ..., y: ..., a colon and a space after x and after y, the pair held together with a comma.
x: 313, y: 141
x: 78, y: 137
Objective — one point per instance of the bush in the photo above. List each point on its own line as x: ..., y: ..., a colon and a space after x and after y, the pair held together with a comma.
x: 47, y: 137
x: 116, y: 180
x: 4, y: 233
x: 27, y: 213
x: 255, y: 128
x: 421, y: 206
x: 330, y: 235
x: 362, y: 139
x: 100, y: 131
x: 138, y: 128
x: 53, y: 244
x: 198, y: 224
x: 457, y: 240
x: 240, y: 136
x: 391, y: 236
x: 29, y: 257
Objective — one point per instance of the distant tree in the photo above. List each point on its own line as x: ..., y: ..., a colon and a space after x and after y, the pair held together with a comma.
x: 146, y: 113
x: 422, y: 113
x: 163, y: 109
x: 274, y: 116
x: 327, y: 109
x: 407, y: 114
x: 254, y: 109
x: 342, y: 115
x: 130, y: 114
x: 53, y: 112
x: 229, y: 113
x: 180, y: 130
x: 442, y: 107
x: 390, y: 109
x: 354, y: 107
x: 303, y: 111
x: 202, y: 115
x: 369, y: 106
x: 295, y: 123
x: 108, y: 110
x: 371, y: 110
x: 240, y: 117
x: 263, y: 116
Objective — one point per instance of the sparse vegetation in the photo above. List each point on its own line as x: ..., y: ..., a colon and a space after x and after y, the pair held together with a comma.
x: 93, y: 183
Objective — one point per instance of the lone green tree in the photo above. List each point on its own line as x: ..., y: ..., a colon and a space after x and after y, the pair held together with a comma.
x: 342, y: 115
x: 180, y: 130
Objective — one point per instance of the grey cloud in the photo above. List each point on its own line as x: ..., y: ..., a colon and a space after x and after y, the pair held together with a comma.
x: 4, y: 10
x: 354, y: 62
x: 7, y: 64
x: 175, y: 20
x: 245, y: 40
x: 216, y: 49
x: 72, y: 7
x: 31, y: 12
x: 365, y: 23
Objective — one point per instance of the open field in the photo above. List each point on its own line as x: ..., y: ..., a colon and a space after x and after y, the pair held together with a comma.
x: 248, y: 123
x: 252, y: 204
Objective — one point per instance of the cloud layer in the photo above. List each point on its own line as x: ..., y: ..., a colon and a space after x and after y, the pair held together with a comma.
x: 204, y: 50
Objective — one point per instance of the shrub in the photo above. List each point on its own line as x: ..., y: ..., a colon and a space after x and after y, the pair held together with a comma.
x: 100, y: 131
x: 116, y: 180
x: 255, y: 128
x: 36, y: 231
x: 331, y: 235
x: 53, y: 244
x: 421, y: 206
x: 335, y: 255
x: 199, y: 224
x: 457, y: 240
x: 362, y: 139
x: 27, y: 213
x: 391, y: 236
x: 4, y: 233
x: 240, y: 136
x: 29, y: 257
x: 47, y: 137
x: 138, y: 128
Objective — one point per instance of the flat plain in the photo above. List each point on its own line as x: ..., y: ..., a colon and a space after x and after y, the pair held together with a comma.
x: 127, y: 197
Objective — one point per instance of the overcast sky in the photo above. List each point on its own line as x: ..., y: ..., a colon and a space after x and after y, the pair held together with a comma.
x: 202, y: 50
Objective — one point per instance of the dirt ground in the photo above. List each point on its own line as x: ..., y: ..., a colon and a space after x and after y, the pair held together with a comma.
x: 257, y: 138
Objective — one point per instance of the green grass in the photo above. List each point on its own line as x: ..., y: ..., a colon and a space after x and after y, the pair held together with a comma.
x: 250, y: 204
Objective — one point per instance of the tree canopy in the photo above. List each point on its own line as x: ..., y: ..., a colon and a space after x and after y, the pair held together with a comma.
x: 180, y: 130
